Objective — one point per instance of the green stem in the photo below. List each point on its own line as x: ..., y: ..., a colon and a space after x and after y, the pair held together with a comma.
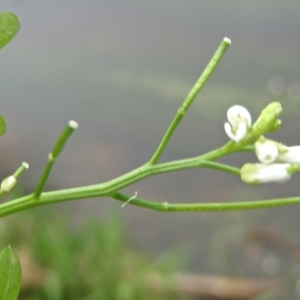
x: 21, y: 170
x: 193, y: 207
x: 49, y: 198
x: 53, y: 156
x: 190, y: 98
x: 110, y: 187
x: 147, y: 170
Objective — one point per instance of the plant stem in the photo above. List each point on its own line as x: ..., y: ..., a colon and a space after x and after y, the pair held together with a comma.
x: 110, y: 187
x: 53, y: 156
x: 190, y: 98
x: 151, y: 168
x: 221, y: 206
x: 49, y: 198
x: 21, y: 170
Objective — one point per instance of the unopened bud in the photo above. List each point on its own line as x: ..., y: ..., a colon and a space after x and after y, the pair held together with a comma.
x: 268, y: 120
x: 8, y: 183
x: 260, y: 173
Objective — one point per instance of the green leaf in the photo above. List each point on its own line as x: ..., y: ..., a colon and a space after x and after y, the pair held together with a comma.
x: 9, y: 26
x: 2, y: 125
x: 10, y: 274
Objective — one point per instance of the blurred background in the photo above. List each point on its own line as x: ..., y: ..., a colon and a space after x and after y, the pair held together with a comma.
x: 121, y: 69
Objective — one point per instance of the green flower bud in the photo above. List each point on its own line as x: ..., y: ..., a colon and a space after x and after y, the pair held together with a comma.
x: 268, y: 120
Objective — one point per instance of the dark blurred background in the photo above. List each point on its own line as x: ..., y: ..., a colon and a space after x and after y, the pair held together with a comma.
x: 121, y: 69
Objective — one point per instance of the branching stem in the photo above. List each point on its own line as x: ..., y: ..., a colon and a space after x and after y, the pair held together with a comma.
x: 111, y: 188
x: 190, y: 98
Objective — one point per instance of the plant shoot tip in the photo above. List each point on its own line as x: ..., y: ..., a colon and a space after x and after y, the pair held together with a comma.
x: 25, y: 165
x: 73, y: 124
x: 227, y: 40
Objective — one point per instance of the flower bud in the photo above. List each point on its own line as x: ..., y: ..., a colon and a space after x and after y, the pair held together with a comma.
x: 268, y: 120
x: 289, y: 155
x: 260, y: 173
x: 266, y: 150
x: 8, y: 183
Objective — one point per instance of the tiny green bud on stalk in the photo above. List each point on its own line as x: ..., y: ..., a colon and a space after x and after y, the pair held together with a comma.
x: 8, y: 183
x: 72, y: 125
x: 268, y: 120
x: 53, y: 156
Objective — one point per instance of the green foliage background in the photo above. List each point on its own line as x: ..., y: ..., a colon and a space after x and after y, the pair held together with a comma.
x: 93, y: 262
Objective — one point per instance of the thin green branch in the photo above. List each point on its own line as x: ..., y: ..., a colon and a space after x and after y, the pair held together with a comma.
x: 147, y: 170
x: 53, y: 156
x: 220, y: 167
x: 50, y: 198
x: 190, y: 98
x: 248, y: 148
x: 24, y: 166
x: 110, y: 187
x: 193, y: 207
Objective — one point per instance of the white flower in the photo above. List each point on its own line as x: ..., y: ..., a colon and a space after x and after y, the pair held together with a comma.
x: 289, y: 155
x: 269, y: 151
x: 266, y: 151
x: 239, y: 122
x: 260, y: 173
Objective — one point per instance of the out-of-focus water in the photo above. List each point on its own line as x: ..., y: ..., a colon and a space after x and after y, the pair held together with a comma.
x: 121, y: 69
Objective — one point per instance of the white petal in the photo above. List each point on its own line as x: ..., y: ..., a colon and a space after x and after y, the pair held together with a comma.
x: 266, y: 152
x: 260, y: 173
x: 237, y: 113
x: 228, y: 131
x: 292, y: 155
x: 239, y: 134
x: 241, y: 131
x: 273, y: 173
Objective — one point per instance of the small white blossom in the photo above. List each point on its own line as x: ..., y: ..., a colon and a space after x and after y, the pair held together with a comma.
x: 266, y: 151
x: 260, y: 173
x: 289, y: 155
x: 239, y: 122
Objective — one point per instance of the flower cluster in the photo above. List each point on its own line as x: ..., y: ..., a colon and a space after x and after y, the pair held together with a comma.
x: 277, y: 161
x: 239, y: 127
